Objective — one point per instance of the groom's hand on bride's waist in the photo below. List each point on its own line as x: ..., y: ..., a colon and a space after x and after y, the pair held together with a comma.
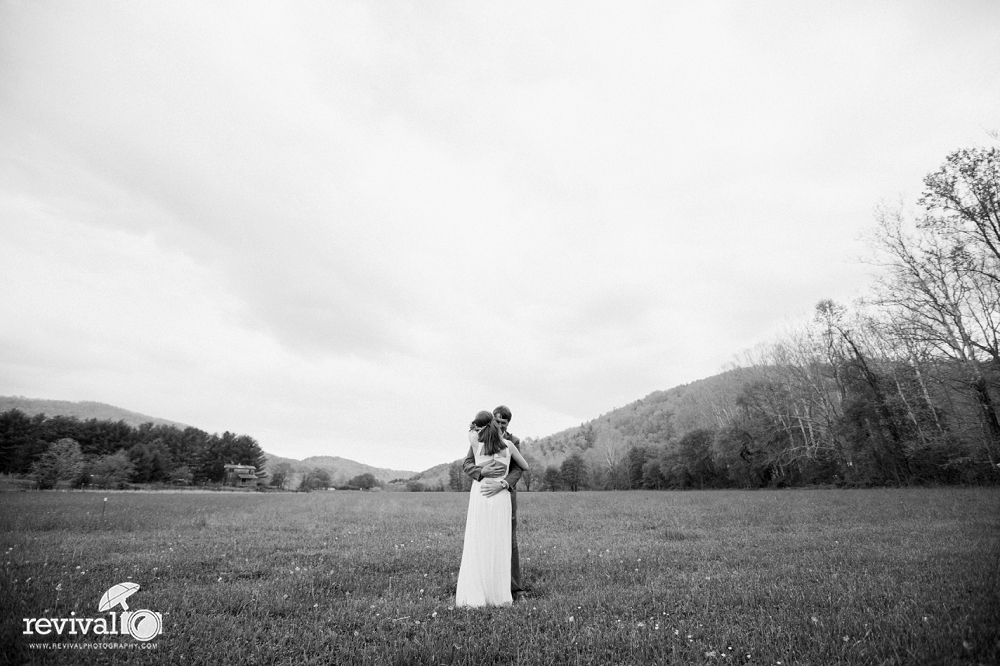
x: 491, y: 487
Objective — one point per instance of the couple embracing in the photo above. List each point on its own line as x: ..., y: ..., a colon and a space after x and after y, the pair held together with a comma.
x: 490, y: 574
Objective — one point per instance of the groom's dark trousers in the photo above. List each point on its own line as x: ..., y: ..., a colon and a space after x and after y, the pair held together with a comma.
x: 513, y: 476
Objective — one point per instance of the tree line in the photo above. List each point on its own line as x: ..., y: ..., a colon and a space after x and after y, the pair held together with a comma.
x: 283, y: 477
x: 897, y: 388
x: 115, y: 453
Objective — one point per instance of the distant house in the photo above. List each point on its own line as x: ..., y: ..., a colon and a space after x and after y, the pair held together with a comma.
x: 241, y: 476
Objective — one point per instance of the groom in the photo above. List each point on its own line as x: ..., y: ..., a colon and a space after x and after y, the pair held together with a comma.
x: 492, y: 484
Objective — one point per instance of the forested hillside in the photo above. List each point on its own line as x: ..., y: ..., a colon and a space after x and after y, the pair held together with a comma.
x: 651, y: 421
x: 113, y: 453
x: 900, y: 387
x: 51, y: 441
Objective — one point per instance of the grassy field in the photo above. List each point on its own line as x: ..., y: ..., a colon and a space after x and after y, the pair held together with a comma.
x: 723, y: 577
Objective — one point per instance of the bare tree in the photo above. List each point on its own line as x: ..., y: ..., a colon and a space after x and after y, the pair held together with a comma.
x: 929, y: 289
x: 962, y: 199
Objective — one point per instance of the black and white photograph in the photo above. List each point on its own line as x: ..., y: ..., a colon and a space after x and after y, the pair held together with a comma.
x: 539, y: 333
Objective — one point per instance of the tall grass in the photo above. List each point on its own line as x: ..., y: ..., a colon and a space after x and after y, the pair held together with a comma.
x: 810, y: 577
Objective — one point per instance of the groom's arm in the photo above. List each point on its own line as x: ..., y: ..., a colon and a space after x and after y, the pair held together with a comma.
x: 470, y: 468
x: 514, y: 472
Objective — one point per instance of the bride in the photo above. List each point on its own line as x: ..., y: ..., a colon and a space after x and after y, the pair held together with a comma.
x: 484, y: 577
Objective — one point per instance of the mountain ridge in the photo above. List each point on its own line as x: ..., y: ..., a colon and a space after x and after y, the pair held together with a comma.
x: 341, y: 470
x: 83, y: 410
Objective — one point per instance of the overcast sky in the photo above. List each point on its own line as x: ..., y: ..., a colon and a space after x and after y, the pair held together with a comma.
x: 345, y: 227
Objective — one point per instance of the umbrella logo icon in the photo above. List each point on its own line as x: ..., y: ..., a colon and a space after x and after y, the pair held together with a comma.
x: 117, y: 595
x: 142, y: 625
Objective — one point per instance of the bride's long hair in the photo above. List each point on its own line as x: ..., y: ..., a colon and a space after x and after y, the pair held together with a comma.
x: 489, y: 433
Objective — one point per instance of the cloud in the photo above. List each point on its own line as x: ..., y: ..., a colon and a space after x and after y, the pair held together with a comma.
x: 344, y: 228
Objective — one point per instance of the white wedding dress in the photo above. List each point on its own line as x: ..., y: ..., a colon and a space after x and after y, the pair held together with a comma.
x: 484, y: 577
